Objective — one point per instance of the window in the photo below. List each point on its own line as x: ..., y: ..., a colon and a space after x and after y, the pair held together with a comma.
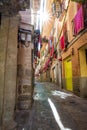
x: 85, y: 13
x: 65, y: 32
x: 73, y: 32
x: 66, y: 39
x: 80, y: 20
x: 56, y: 8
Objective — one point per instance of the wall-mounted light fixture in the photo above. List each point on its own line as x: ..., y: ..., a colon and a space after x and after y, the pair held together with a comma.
x: 24, y: 37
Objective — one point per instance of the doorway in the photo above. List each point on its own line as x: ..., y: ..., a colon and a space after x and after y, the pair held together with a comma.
x: 68, y: 73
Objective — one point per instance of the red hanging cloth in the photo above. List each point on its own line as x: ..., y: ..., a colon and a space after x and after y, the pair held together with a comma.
x: 51, y: 51
x: 62, y: 42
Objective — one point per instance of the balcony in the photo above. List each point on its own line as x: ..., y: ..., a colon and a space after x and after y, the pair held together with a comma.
x: 56, y: 8
x: 59, y: 8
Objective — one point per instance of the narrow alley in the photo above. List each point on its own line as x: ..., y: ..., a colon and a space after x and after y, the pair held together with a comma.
x: 53, y: 109
x: 43, y: 64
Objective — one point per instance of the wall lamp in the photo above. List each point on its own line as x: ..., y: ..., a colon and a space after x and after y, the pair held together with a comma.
x: 24, y: 37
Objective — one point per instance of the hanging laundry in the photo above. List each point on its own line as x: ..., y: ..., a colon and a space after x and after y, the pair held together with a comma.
x: 62, y: 42
x: 79, y: 21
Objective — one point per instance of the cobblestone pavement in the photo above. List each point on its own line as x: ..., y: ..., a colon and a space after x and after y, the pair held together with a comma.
x: 53, y: 109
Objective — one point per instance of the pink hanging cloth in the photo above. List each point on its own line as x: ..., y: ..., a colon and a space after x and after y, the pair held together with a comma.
x: 79, y: 21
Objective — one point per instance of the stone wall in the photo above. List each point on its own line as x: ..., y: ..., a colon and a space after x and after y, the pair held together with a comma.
x: 24, y: 77
x: 25, y: 71
x: 8, y: 67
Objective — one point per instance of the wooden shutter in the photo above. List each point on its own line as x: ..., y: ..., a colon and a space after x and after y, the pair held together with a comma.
x: 85, y: 12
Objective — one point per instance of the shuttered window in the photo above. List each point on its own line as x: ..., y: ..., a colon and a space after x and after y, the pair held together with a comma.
x: 85, y: 13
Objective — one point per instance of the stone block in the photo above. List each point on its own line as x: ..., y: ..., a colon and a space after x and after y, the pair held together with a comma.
x: 83, y: 87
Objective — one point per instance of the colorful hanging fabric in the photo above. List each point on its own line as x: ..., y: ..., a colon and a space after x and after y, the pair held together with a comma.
x: 78, y: 0
x: 48, y: 61
x: 79, y: 21
x: 62, y: 42
x: 51, y: 51
x: 38, y: 54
